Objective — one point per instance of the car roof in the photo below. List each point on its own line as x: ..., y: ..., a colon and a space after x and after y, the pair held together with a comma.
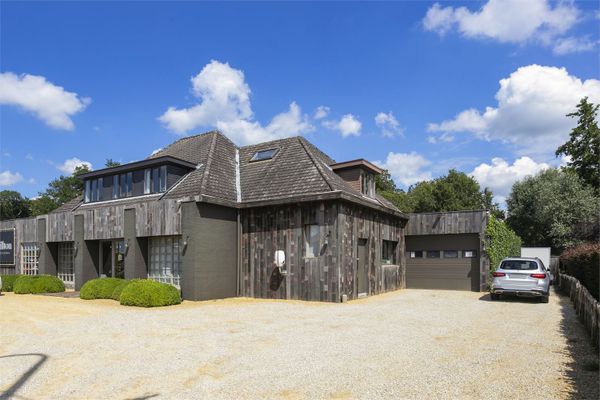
x: 521, y: 258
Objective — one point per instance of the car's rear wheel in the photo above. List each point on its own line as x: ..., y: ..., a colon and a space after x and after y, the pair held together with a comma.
x: 545, y: 299
x: 495, y: 296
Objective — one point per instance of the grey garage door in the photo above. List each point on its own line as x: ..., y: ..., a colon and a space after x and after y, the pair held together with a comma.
x: 449, y: 262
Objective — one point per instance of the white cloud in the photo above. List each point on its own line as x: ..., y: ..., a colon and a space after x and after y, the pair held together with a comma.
x: 68, y: 167
x: 388, y: 124
x: 500, y: 175
x: 28, y: 156
x: 321, y: 112
x: 443, y: 138
x: 506, y: 21
x: 573, y: 44
x: 406, y: 168
x: 48, y: 102
x: 348, y: 125
x: 8, y: 178
x: 31, y: 181
x: 225, y: 103
x: 531, y: 109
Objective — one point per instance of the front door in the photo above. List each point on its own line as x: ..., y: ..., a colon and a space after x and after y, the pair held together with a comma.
x: 362, y: 271
x: 112, y: 254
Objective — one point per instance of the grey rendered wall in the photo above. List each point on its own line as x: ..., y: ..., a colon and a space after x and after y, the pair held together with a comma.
x: 209, y: 261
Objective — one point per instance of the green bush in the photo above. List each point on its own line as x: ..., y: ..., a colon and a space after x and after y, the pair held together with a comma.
x: 501, y: 242
x: 101, y: 288
x: 149, y: 293
x: 38, y: 284
x: 116, y: 294
x: 583, y: 263
x: 8, y: 281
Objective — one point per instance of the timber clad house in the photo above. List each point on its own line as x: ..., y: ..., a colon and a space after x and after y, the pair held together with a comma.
x: 215, y: 220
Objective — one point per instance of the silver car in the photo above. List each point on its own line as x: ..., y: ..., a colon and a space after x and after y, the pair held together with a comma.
x: 521, y: 277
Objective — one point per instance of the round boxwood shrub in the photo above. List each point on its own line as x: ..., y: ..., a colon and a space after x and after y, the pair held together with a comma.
x: 116, y: 294
x: 8, y: 282
x: 38, y: 284
x: 149, y: 293
x: 101, y: 288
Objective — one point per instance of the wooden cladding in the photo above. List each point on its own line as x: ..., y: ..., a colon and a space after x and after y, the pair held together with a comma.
x: 447, y: 223
x: 334, y: 271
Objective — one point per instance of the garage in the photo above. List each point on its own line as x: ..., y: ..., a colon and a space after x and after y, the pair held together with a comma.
x: 443, y: 251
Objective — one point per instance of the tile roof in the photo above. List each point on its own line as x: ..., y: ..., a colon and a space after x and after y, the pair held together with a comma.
x: 298, y: 170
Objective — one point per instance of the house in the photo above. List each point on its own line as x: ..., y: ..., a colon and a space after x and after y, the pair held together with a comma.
x: 211, y: 218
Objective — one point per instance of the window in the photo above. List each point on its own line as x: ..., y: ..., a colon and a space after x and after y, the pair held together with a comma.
x: 88, y: 191
x: 30, y: 254
x: 147, y: 180
x: 312, y: 241
x: 155, y: 180
x: 94, y: 190
x: 450, y: 254
x: 129, y: 183
x: 388, y: 252
x: 519, y: 265
x: 469, y: 253
x: 165, y: 259
x: 264, y: 155
x: 367, y: 184
x: 64, y: 266
x: 433, y: 254
x: 100, y: 189
x: 416, y: 254
x: 163, y: 178
x: 115, y: 194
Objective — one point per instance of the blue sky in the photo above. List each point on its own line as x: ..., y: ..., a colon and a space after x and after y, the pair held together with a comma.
x: 86, y: 81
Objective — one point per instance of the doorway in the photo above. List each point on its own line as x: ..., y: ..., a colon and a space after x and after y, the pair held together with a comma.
x: 112, y: 258
x: 362, y: 272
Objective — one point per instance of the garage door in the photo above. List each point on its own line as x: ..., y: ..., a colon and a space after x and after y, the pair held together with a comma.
x: 449, y: 262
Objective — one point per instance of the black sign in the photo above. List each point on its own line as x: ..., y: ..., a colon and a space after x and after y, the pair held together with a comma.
x: 7, y: 247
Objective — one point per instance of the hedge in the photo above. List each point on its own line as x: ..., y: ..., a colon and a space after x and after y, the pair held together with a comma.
x: 8, y: 282
x: 149, y: 293
x: 501, y: 242
x: 38, y: 284
x: 582, y: 263
x: 116, y: 294
x: 101, y: 288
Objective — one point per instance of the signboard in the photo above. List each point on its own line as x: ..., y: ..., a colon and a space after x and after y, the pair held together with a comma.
x: 7, y: 247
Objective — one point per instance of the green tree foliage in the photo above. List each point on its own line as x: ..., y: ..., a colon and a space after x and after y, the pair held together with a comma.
x: 583, y: 146
x: 454, y: 192
x: 111, y: 163
x: 13, y: 205
x: 553, y: 208
x: 501, y: 242
x: 59, y: 191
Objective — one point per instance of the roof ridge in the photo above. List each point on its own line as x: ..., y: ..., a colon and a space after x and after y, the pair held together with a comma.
x: 209, y: 158
x: 182, y: 139
x: 312, y: 158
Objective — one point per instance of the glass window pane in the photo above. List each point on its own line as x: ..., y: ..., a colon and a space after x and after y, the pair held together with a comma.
x: 313, y: 245
x: 469, y: 253
x: 115, y: 190
x: 163, y: 178
x: 155, y: 181
x: 94, y: 190
x: 147, y: 181
x: 433, y: 254
x: 450, y: 254
x: 100, y: 189
x: 129, y: 183
x: 87, y: 191
x: 123, y: 185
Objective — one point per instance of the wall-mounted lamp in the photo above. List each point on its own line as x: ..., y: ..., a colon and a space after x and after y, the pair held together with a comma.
x: 185, y: 241
x: 75, y: 247
x: 126, y: 245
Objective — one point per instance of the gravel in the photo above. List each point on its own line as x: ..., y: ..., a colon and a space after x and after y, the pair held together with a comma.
x: 409, y: 344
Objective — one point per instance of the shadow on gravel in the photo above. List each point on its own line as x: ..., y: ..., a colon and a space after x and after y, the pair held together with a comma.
x: 145, y: 397
x: 512, y: 299
x: 582, y: 370
x: 10, y: 392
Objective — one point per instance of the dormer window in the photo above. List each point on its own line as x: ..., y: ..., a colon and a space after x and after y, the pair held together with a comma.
x: 150, y: 176
x: 264, y: 155
x: 367, y: 186
x: 359, y: 174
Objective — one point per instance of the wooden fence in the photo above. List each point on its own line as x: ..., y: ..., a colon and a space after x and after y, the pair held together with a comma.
x: 586, y: 306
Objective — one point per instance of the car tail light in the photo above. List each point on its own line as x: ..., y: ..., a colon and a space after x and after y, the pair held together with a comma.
x: 497, y: 274
x: 538, y: 276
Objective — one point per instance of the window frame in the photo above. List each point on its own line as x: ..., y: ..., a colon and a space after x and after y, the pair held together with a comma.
x: 164, y: 259
x: 413, y: 255
x: 271, y: 154
x: 427, y: 253
x: 444, y: 255
x: 312, y: 240
x: 30, y: 258
x: 385, y: 244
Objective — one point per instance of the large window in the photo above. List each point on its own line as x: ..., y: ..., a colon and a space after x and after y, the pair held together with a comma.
x: 65, y: 269
x: 30, y: 254
x: 165, y: 259
x: 312, y: 240
x: 388, y: 252
x: 367, y: 184
x: 94, y: 190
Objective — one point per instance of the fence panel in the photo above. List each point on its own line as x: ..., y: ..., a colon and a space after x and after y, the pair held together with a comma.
x: 586, y: 306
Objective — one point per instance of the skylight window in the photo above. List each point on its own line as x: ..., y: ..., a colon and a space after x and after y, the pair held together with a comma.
x: 264, y: 155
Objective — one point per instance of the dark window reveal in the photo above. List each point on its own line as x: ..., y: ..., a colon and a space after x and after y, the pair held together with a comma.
x: 388, y: 252
x: 264, y: 155
x: 416, y: 254
x: 433, y: 254
x: 450, y: 254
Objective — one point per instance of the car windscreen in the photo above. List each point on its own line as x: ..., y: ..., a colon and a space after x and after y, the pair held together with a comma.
x: 519, y: 265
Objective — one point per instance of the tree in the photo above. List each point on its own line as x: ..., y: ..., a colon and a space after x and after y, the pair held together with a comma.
x: 583, y: 146
x: 553, y: 208
x: 13, y: 205
x: 59, y: 191
x: 111, y: 163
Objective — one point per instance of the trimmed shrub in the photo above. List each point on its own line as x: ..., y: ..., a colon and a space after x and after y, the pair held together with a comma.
x: 501, y: 242
x: 8, y: 281
x: 582, y: 262
x: 149, y: 293
x: 100, y: 288
x: 38, y: 284
x: 116, y: 294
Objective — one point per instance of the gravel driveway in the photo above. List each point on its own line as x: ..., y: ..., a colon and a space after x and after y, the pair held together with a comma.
x: 406, y: 344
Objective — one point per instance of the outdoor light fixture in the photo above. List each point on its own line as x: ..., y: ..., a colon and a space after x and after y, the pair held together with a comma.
x: 75, y: 247
x: 185, y: 242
